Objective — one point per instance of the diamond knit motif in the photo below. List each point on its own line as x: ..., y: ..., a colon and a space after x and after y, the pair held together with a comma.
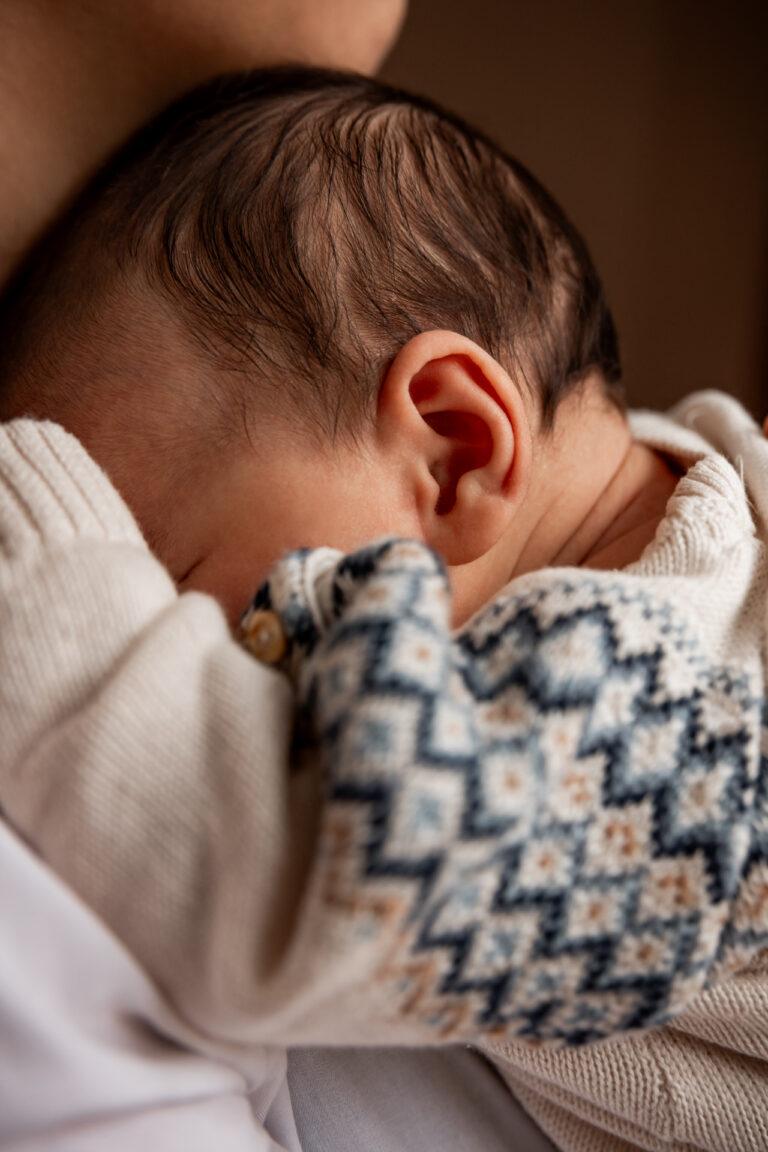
x: 568, y: 796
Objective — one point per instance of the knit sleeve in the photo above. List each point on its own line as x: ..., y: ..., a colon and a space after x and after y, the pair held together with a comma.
x: 550, y: 824
x: 143, y: 754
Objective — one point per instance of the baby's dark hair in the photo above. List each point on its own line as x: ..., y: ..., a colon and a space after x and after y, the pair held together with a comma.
x: 304, y: 225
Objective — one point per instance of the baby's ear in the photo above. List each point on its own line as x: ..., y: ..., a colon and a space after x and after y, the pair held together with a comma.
x: 459, y: 424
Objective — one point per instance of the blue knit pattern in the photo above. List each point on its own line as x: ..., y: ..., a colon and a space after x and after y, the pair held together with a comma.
x: 568, y: 797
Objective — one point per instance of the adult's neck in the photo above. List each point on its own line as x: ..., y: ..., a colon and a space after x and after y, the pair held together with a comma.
x: 74, y: 82
x: 595, y: 499
x: 77, y: 78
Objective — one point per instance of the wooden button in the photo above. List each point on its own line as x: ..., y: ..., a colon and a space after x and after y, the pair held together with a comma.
x: 262, y: 634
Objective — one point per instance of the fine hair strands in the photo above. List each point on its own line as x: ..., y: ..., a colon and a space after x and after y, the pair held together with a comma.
x: 303, y: 225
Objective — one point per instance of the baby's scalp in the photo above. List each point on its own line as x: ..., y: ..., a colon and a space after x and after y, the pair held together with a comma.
x: 294, y: 228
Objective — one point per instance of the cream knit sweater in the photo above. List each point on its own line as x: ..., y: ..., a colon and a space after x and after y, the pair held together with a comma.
x: 494, y: 861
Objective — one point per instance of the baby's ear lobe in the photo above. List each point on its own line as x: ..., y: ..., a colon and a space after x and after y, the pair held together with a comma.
x: 460, y: 421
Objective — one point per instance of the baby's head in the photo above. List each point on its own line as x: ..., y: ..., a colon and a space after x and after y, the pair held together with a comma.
x: 303, y: 308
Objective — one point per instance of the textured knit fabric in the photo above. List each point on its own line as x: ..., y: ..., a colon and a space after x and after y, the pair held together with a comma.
x: 575, y: 848
x: 548, y: 829
x: 92, y: 1056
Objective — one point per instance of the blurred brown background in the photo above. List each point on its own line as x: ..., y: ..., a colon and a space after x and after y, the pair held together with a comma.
x: 649, y: 122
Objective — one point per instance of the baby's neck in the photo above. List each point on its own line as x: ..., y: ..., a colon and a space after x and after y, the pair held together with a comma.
x: 595, y: 501
x: 623, y: 521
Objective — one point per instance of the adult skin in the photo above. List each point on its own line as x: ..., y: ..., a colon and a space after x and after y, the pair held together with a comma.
x: 78, y: 76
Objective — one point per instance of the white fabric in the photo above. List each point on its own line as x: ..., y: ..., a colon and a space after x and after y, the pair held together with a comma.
x: 91, y: 1057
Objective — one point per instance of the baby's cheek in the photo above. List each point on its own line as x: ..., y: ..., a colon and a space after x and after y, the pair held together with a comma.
x: 233, y: 585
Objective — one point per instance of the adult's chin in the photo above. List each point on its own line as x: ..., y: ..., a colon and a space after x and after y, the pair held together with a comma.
x: 354, y: 34
x: 213, y: 36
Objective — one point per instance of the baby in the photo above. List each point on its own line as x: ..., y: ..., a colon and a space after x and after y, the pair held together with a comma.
x: 304, y: 309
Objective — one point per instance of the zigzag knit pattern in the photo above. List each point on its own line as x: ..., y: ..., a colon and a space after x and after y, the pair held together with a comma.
x: 556, y: 821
